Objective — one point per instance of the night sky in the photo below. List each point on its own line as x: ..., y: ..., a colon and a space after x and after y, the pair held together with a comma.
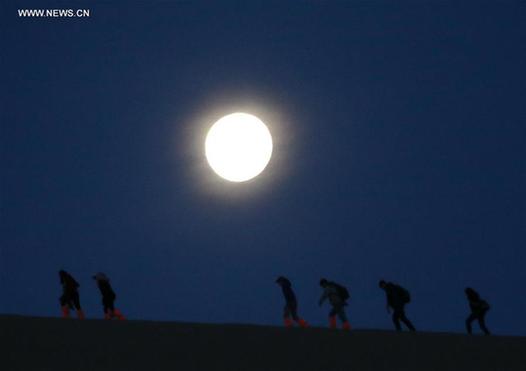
x: 400, y: 147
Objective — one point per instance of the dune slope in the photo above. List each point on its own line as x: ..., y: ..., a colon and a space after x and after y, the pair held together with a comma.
x: 56, y: 344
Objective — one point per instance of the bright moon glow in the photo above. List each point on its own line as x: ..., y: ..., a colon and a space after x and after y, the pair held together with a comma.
x: 238, y: 147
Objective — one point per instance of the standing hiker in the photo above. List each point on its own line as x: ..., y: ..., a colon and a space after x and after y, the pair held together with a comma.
x: 337, y: 295
x: 291, y: 304
x: 479, y: 308
x: 70, y: 296
x: 108, y: 297
x: 397, y: 298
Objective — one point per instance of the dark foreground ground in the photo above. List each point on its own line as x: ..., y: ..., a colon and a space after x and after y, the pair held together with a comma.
x: 55, y: 344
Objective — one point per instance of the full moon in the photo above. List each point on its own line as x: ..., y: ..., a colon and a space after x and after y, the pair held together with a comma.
x: 238, y: 147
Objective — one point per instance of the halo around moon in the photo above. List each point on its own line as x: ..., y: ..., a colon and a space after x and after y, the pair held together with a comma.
x: 238, y: 147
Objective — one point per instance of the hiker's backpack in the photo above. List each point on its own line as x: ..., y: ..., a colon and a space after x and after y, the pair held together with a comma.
x: 404, y: 294
x: 484, y: 305
x: 343, y: 293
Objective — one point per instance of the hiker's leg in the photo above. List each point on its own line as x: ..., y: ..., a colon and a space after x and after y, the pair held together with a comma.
x: 343, y: 317
x: 293, y: 307
x: 341, y: 314
x: 469, y: 320
x: 75, y: 298
x: 332, y: 317
x: 64, y: 307
x: 117, y: 313
x: 108, y: 312
x: 406, y: 321
x: 286, y: 316
x: 482, y: 323
x: 396, y: 319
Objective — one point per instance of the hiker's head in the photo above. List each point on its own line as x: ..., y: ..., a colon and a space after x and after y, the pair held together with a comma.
x: 382, y: 284
x: 61, y: 273
x: 323, y: 282
x: 281, y: 280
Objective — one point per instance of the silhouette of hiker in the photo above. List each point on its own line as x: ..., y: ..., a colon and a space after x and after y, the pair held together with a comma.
x: 70, y: 296
x: 337, y: 295
x: 108, y: 297
x: 397, y: 298
x: 479, y: 308
x: 291, y: 305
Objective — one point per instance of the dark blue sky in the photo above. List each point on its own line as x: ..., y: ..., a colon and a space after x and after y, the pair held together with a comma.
x: 400, y: 147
